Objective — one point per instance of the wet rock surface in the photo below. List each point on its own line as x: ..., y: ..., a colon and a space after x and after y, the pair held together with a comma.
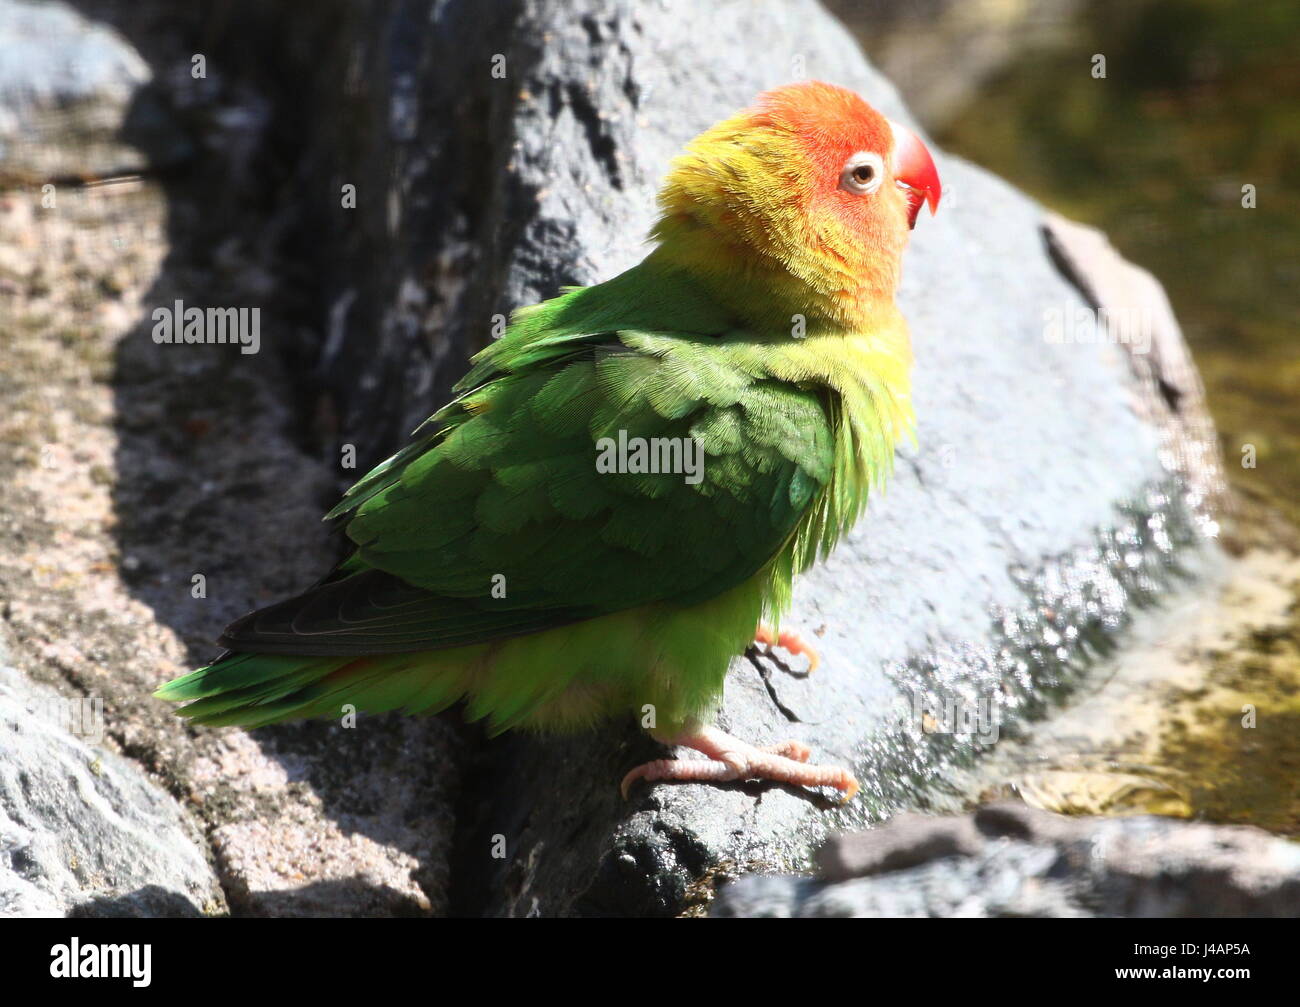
x: 1042, y: 506
x: 1010, y: 860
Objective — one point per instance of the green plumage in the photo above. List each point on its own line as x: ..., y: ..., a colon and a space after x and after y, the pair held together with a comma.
x: 495, y: 562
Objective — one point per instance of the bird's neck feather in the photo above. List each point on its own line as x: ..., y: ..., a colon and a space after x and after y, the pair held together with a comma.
x: 832, y: 284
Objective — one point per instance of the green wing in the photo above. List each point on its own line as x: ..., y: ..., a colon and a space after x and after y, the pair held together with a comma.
x: 496, y: 520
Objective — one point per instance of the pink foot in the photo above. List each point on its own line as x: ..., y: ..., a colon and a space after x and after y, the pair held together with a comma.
x: 790, y: 641
x: 795, y: 750
x: 732, y: 759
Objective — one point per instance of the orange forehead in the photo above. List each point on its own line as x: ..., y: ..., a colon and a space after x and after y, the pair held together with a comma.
x: 830, y: 123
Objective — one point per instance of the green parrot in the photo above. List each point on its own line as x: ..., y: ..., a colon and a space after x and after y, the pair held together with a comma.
x: 628, y: 480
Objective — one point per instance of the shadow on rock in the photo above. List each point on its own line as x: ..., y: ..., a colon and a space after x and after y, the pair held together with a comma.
x: 150, y: 900
x: 223, y: 462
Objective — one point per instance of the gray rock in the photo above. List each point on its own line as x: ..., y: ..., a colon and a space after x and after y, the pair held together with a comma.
x: 75, y: 100
x: 136, y: 467
x: 910, y: 840
x: 999, y: 538
x: 1040, y: 510
x: 82, y: 832
x: 1026, y: 862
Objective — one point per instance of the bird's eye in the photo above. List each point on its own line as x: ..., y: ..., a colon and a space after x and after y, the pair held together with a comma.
x: 862, y: 174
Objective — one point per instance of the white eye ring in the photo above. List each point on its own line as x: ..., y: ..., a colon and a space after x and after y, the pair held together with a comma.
x: 863, y: 173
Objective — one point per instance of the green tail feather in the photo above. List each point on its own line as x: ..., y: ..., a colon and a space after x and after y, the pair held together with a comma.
x: 252, y: 690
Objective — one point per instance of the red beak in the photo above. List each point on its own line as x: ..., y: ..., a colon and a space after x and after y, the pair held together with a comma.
x: 914, y: 172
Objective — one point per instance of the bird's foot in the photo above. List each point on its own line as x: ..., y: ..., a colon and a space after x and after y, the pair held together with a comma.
x: 732, y: 759
x: 787, y: 640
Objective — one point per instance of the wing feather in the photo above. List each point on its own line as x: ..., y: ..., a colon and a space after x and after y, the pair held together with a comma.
x: 496, y: 520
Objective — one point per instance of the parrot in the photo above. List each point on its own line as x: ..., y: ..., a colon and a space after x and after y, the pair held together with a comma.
x: 617, y: 497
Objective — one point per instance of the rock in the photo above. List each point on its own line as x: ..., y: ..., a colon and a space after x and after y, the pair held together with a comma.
x: 1041, y: 509
x: 1126, y: 296
x: 1026, y: 862
x: 75, y: 100
x: 82, y: 831
x: 134, y: 468
x: 910, y: 840
x: 497, y: 155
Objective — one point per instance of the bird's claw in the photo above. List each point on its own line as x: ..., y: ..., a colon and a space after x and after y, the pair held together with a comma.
x: 730, y: 759
x: 790, y: 641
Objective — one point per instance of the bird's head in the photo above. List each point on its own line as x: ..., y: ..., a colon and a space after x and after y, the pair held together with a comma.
x: 810, y: 189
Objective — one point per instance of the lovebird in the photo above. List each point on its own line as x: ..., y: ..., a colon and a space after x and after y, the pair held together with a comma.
x: 615, y: 502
